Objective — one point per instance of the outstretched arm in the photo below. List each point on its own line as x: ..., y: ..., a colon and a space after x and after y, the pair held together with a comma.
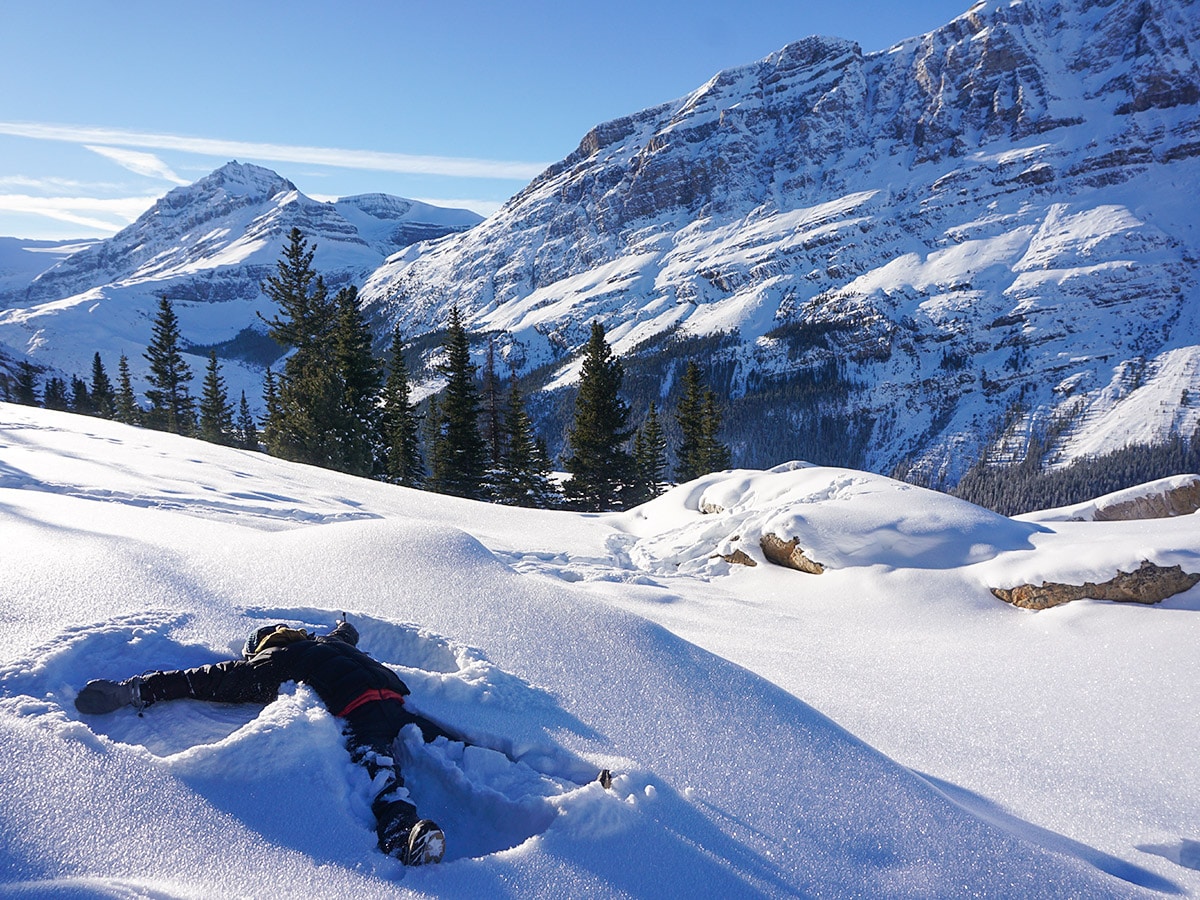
x: 234, y: 681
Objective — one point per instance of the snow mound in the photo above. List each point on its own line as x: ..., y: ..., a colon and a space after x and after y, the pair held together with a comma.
x: 840, y: 517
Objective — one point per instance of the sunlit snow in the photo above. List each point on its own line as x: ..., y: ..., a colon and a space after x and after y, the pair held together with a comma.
x: 885, y: 729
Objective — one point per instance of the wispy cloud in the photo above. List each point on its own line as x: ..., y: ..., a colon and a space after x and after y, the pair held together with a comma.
x: 84, y: 211
x: 138, y: 162
x: 459, y: 167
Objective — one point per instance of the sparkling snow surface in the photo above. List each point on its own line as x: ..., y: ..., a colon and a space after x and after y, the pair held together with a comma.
x: 885, y: 729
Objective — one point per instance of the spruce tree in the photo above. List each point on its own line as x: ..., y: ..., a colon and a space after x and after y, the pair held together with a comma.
x: 216, y: 412
x: 104, y: 398
x: 127, y: 409
x: 271, y: 402
x: 699, y: 451
x: 246, y: 431
x: 716, y: 456
x: 55, y: 395
x: 493, y: 427
x: 357, y: 369
x: 522, y: 477
x: 649, y: 457
x: 601, y: 470
x: 459, y: 453
x: 398, y: 423
x: 81, y: 398
x: 25, y: 389
x: 171, y: 405
x: 302, y: 425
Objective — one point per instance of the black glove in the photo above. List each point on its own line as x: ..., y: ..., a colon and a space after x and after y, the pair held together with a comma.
x: 103, y: 696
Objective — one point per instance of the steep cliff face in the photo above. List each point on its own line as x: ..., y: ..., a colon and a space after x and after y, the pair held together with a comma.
x: 987, y: 231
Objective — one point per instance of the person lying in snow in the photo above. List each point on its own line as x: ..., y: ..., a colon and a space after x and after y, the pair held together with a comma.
x: 352, y: 685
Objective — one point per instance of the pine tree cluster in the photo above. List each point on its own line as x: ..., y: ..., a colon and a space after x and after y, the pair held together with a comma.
x: 1025, y: 487
x: 335, y: 405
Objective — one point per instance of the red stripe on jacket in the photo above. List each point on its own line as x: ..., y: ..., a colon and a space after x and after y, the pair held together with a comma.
x: 366, y: 697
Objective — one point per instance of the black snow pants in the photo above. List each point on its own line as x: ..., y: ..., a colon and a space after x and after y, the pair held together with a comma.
x: 372, y: 730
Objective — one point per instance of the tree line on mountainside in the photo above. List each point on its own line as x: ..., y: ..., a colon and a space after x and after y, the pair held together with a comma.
x: 335, y: 405
x: 1027, y: 486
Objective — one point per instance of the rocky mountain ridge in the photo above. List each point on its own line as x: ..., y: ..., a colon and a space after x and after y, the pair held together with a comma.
x: 976, y: 239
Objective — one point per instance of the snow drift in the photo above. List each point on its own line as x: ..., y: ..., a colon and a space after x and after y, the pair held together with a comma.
x: 561, y: 644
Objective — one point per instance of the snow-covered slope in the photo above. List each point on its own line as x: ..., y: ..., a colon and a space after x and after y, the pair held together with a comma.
x: 207, y: 246
x: 1023, y: 754
x: 990, y: 228
x: 23, y: 260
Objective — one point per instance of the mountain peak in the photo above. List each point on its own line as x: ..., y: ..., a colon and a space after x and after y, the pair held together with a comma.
x: 242, y: 179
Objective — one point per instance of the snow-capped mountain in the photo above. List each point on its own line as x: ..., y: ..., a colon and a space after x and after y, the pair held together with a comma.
x: 207, y: 246
x: 981, y: 234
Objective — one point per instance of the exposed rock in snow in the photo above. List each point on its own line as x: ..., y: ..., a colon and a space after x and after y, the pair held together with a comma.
x: 1178, y: 495
x: 789, y: 554
x: 1149, y: 583
x: 1181, y: 500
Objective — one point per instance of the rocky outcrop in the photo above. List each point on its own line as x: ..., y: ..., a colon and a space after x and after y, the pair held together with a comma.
x: 789, y: 554
x: 738, y: 557
x: 1149, y: 583
x: 1179, y: 501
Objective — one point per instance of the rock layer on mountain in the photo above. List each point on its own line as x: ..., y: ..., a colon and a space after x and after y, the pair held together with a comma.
x: 978, y: 237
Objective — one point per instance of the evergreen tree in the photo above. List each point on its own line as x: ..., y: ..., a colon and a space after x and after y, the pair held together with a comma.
x: 171, y: 405
x: 649, y: 457
x: 25, y: 386
x: 522, y: 477
x: 127, y: 409
x: 699, y: 418
x: 302, y: 425
x: 432, y: 426
x: 55, y: 396
x: 400, y: 430
x: 246, y: 431
x: 271, y: 402
x: 493, y: 427
x: 104, y: 398
x: 357, y: 420
x: 601, y: 470
x: 81, y: 398
x: 459, y: 453
x: 216, y: 412
x: 716, y: 455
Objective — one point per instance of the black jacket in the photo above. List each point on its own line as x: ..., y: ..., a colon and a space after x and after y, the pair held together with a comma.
x: 339, y: 672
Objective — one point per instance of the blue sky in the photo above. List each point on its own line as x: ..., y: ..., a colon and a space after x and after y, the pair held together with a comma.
x: 108, y: 105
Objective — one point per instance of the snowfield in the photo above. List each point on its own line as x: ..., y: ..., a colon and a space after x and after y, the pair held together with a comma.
x: 885, y: 729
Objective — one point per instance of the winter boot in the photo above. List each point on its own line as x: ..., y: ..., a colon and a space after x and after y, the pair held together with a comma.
x: 426, y: 844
